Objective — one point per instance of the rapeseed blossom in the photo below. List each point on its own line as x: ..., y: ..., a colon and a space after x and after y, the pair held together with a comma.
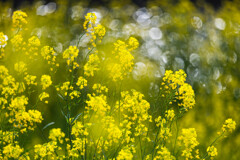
x: 92, y: 65
x: 45, y: 81
x: 56, y: 135
x: 212, y: 151
x: 11, y: 151
x: 3, y: 40
x: 105, y: 118
x: 90, y: 20
x: 125, y: 154
x: 20, y: 67
x: 70, y: 54
x: 229, y: 125
x: 164, y: 154
x: 3, y: 43
x: 188, y: 140
x: 182, y: 90
x: 19, y: 19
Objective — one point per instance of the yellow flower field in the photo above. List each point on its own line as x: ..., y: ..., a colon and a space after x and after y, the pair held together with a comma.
x: 153, y: 83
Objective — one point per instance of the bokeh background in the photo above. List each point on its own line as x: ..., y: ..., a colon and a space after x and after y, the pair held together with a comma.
x: 200, y: 37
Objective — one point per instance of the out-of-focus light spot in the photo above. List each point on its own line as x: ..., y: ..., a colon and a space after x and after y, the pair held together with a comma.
x: 77, y: 12
x: 131, y: 29
x: 166, y: 18
x: 193, y: 72
x: 41, y: 10
x: 219, y: 88
x: 160, y: 73
x: 58, y: 47
x: 46, y: 9
x: 142, y: 16
x: 84, y: 40
x: 154, y: 88
x: 155, y: 33
x: 51, y: 7
x: 216, y: 74
x: 194, y: 59
x: 178, y: 63
x: 196, y: 22
x: 155, y: 21
x: 114, y: 24
x: 140, y: 69
x: 38, y: 32
x: 234, y: 59
x: 220, y: 23
x: 9, y: 12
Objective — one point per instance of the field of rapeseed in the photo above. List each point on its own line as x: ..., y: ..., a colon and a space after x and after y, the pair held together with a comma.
x: 154, y: 83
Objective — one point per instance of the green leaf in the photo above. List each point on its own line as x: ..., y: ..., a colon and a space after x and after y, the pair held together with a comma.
x: 49, y: 124
x: 64, y: 115
x: 76, y: 117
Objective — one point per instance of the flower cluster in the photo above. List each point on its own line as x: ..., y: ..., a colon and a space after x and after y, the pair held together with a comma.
x: 70, y: 54
x: 3, y: 43
x: 92, y: 65
x: 212, y: 151
x: 19, y: 19
x: 48, y: 54
x: 45, y: 81
x: 122, y: 62
x: 104, y: 116
x: 179, y: 89
x: 188, y: 140
x: 95, y: 31
x: 229, y: 125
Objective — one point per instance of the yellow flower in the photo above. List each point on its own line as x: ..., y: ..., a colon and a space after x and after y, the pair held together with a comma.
x: 175, y: 82
x: 70, y: 54
x: 20, y: 67
x: 133, y: 43
x: 164, y: 154
x: 19, y: 19
x: 229, y: 125
x: 30, y: 80
x: 18, y: 103
x: 47, y: 149
x: 188, y: 139
x: 79, y: 130
x: 56, y: 134
x: 100, y: 31
x: 81, y: 82
x: 92, y: 65
x: 43, y: 95
x: 90, y: 20
x: 98, y: 104
x: 122, y: 62
x: 45, y: 81
x: 125, y: 154
x: 170, y: 115
x: 17, y: 42
x: 7, y: 136
x: 11, y: 151
x: 3, y: 71
x: 212, y: 151
x: 98, y: 88
x: 3, y: 40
